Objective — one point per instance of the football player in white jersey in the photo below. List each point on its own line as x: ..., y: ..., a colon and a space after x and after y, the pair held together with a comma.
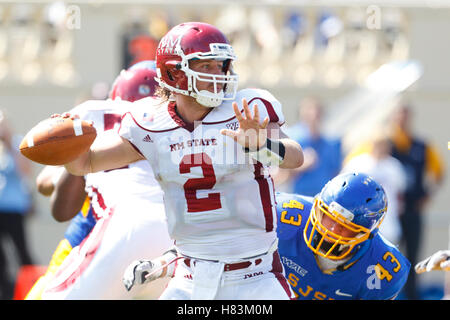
x: 126, y: 202
x: 211, y: 154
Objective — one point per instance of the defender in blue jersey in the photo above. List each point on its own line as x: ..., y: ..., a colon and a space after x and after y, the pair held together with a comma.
x: 330, y: 246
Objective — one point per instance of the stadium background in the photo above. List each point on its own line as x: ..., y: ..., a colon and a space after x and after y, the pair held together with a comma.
x: 53, y: 54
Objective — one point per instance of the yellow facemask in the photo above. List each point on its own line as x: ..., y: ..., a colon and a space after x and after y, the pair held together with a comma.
x: 326, y: 243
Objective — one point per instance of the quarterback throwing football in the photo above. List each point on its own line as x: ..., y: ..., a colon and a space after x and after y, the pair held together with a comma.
x: 209, y: 146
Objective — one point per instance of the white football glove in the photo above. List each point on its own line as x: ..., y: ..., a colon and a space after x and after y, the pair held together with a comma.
x: 437, y: 261
x: 144, y: 271
x: 136, y: 272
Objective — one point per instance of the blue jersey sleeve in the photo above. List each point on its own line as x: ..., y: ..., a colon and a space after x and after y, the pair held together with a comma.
x: 387, y: 272
x: 292, y: 212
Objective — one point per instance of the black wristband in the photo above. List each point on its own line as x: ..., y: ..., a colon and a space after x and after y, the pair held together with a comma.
x: 275, y: 146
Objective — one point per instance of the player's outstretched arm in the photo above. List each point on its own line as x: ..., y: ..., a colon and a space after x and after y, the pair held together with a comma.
x: 264, y: 141
x: 293, y: 157
x: 66, y: 191
x: 437, y: 261
x: 109, y: 151
x: 68, y: 197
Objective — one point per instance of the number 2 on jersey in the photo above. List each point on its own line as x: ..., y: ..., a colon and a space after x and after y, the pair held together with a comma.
x: 194, y: 204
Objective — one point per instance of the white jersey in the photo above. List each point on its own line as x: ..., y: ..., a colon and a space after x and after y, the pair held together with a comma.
x: 131, y: 223
x: 135, y: 179
x: 219, y: 204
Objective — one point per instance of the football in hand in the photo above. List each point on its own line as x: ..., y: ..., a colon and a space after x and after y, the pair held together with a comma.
x: 58, y: 140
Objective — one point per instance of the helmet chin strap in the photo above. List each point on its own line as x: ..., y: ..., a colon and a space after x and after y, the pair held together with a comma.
x: 209, y: 99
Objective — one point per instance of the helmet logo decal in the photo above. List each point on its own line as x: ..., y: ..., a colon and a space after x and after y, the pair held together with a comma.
x: 222, y: 49
x: 169, y: 44
x: 373, y: 214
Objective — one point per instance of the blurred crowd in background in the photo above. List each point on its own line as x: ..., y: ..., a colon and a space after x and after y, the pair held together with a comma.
x: 301, y: 53
x: 292, y: 45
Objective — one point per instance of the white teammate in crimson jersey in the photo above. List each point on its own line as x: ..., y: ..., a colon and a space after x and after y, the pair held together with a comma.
x: 127, y: 203
x: 102, y: 187
x: 207, y: 181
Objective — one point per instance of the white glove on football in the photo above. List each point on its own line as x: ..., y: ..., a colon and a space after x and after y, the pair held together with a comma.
x: 137, y: 271
x: 437, y: 261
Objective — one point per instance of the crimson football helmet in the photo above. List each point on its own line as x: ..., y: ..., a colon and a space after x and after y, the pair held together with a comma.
x: 196, y: 40
x: 136, y: 82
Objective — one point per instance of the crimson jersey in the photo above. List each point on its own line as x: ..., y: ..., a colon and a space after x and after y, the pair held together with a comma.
x: 215, y: 196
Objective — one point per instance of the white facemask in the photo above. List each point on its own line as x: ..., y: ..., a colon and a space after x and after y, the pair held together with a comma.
x: 209, y: 99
